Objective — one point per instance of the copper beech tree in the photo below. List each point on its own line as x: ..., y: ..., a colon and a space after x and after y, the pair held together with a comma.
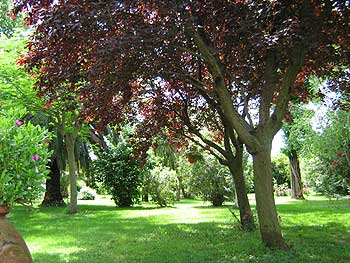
x: 241, y: 61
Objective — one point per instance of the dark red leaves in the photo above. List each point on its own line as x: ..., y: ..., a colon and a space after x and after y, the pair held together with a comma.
x: 137, y: 61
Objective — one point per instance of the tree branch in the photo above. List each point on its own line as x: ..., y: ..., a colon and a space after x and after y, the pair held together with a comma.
x: 294, y: 68
x: 221, y: 160
x: 193, y: 130
x: 233, y: 117
x: 268, y: 90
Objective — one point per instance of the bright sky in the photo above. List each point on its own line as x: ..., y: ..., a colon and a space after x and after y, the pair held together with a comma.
x: 277, y: 143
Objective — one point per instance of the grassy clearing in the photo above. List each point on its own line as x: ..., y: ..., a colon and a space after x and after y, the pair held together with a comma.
x: 318, y: 230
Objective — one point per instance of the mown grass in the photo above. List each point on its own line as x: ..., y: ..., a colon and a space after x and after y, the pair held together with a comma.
x: 191, y: 231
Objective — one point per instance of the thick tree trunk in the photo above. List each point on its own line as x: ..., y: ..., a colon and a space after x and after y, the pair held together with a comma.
x: 268, y: 220
x: 295, y: 176
x: 53, y: 196
x: 145, y: 198
x: 235, y: 165
x: 73, y: 197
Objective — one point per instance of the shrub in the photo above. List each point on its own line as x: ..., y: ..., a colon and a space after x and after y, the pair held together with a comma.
x: 280, y: 169
x: 281, y: 190
x: 87, y: 193
x: 120, y: 174
x: 211, y: 181
x: 23, y: 158
x: 161, y: 185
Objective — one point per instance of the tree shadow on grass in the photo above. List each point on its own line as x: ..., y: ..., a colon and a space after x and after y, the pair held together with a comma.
x: 108, y: 234
x: 94, y: 207
x: 227, y: 206
x: 141, y: 241
x: 328, y: 242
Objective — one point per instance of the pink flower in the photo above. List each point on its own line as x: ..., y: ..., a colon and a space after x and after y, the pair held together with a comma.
x: 35, y: 157
x: 19, y: 123
x: 0, y: 104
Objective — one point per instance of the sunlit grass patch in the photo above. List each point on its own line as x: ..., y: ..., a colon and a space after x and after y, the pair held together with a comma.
x: 190, y: 231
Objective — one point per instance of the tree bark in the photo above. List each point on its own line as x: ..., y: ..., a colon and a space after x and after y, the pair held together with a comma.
x: 235, y: 165
x: 145, y: 198
x: 295, y: 176
x: 53, y: 195
x: 178, y: 189
x: 182, y: 188
x: 268, y: 220
x: 73, y: 197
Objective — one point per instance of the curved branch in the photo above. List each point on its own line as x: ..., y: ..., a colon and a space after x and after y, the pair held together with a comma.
x: 221, y: 160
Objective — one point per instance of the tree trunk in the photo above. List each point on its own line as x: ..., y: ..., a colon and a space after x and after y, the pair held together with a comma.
x: 235, y: 165
x: 53, y: 196
x: 145, y: 198
x: 178, y: 188
x: 73, y: 202
x: 295, y: 176
x: 268, y: 220
x: 235, y: 197
x: 184, y: 194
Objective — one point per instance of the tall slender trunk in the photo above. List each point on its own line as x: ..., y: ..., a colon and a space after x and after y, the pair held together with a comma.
x: 53, y: 195
x: 73, y: 202
x: 178, y: 189
x: 268, y: 220
x: 182, y: 188
x: 295, y: 175
x: 235, y: 165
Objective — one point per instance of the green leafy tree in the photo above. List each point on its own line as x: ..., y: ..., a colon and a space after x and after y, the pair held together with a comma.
x: 16, y: 86
x: 60, y: 115
x: 16, y: 89
x: 169, y: 155
x: 298, y: 136
x: 65, y: 118
x: 280, y: 171
x: 329, y: 160
x: 8, y: 20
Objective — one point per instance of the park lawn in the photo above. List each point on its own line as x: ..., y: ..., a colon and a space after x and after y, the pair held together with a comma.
x: 191, y: 231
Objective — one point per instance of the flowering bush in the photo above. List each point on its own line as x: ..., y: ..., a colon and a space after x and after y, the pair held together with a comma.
x: 87, y: 193
x: 23, y: 158
x: 281, y: 189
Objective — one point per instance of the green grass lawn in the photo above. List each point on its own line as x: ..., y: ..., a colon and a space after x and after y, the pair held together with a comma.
x: 317, y: 229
